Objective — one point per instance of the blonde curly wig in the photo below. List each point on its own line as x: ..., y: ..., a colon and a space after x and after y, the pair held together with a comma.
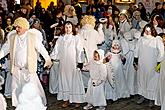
x: 88, y: 19
x: 21, y: 22
x: 67, y: 10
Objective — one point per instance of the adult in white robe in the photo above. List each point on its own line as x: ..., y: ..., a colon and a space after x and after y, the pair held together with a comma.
x: 23, y: 45
x: 129, y: 70
x: 149, y: 51
x: 68, y: 50
x: 90, y: 38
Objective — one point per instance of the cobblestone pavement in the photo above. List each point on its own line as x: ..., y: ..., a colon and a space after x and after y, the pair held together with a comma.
x: 122, y: 104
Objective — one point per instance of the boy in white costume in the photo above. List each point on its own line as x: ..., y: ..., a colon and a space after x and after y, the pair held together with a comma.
x: 69, y: 51
x: 23, y: 45
x: 98, y: 75
x: 116, y: 59
x: 3, y: 103
x: 90, y: 38
x: 29, y: 98
x: 149, y: 51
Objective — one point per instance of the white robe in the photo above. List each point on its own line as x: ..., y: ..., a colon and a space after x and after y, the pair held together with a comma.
x: 68, y: 50
x: 120, y: 89
x: 8, y: 81
x: 123, y: 28
x: 21, y: 75
x: 160, y: 95
x: 90, y: 38
x: 129, y: 71
x: 97, y: 73
x: 149, y: 51
x: 53, y: 78
x: 3, y: 103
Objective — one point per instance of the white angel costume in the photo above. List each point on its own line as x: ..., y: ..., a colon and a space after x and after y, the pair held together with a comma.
x: 23, y: 51
x: 69, y: 50
x: 129, y: 70
x: 90, y: 38
x: 119, y: 88
x: 95, y: 93
x: 149, y: 51
x: 29, y: 98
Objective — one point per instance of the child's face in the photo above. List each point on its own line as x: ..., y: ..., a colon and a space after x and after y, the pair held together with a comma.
x: 68, y: 28
x: 116, y: 47
x: 96, y: 56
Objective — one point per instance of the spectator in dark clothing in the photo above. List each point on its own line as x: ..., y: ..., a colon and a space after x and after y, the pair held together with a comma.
x: 78, y: 9
x: 51, y: 8
x: 142, y: 9
x: 38, y: 9
x: 163, y: 10
x: 21, y: 13
x: 90, y: 8
x: 157, y: 9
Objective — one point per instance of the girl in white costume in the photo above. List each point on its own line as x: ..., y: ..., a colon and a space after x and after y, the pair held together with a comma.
x: 98, y: 74
x: 119, y: 88
x: 68, y: 50
x: 149, y: 51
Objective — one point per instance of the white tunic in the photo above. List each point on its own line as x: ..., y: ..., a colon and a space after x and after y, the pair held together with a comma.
x: 68, y: 50
x: 149, y: 51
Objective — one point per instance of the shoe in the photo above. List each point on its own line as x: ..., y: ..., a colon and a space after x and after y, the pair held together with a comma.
x: 88, y: 106
x: 100, y: 108
x: 77, y: 105
x: 65, y: 104
x: 151, y: 103
x: 141, y: 100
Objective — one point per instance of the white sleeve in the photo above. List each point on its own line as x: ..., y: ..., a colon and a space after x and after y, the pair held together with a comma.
x: 160, y: 47
x: 40, y: 47
x: 4, y: 50
x: 101, y: 35
x: 136, y: 52
x: 79, y: 50
x: 54, y: 54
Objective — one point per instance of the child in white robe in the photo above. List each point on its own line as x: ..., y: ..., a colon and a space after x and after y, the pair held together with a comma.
x: 116, y: 60
x: 3, y: 103
x: 29, y: 98
x: 98, y: 74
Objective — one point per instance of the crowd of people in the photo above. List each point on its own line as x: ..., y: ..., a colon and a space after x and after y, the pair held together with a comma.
x: 104, y: 51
